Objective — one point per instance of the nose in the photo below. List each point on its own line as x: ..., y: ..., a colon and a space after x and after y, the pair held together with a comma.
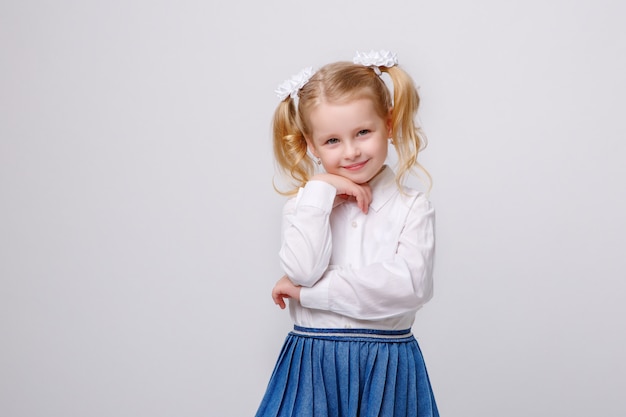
x: 351, y: 150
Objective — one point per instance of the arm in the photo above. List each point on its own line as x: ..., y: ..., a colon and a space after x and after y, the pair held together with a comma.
x: 307, y: 242
x: 306, y: 239
x: 388, y: 288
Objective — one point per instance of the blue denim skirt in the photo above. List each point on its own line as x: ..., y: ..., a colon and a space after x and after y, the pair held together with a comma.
x: 349, y: 373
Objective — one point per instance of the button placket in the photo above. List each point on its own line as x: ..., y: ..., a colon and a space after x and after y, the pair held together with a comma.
x: 353, y: 228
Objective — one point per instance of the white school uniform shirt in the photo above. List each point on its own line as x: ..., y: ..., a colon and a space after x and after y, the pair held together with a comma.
x: 368, y: 271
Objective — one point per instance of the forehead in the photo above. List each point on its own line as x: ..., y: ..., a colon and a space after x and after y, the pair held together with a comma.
x: 328, y: 117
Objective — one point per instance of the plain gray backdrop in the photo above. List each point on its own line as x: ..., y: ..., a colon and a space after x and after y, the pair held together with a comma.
x: 139, y: 228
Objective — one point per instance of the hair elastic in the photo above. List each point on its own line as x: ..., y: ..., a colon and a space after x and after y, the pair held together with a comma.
x: 292, y: 86
x: 376, y: 59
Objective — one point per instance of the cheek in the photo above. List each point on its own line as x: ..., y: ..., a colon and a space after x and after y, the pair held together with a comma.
x: 382, y: 148
x: 326, y: 157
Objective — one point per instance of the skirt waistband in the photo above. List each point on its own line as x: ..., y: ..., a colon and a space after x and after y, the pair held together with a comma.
x: 353, y: 334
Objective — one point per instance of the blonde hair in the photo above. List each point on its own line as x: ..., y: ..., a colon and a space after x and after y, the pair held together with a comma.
x: 342, y: 82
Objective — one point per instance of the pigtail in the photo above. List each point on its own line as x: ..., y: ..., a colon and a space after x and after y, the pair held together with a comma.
x: 408, y: 137
x: 290, y: 148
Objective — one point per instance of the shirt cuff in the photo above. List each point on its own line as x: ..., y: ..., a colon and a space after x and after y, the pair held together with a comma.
x: 317, y: 194
x: 316, y: 296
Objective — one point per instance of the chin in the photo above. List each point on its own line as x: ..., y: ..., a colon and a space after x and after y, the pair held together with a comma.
x: 362, y: 179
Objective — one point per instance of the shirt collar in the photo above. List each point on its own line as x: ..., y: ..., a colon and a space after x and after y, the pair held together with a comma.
x: 383, y: 187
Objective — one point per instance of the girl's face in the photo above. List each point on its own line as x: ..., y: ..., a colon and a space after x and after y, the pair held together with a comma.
x: 350, y: 139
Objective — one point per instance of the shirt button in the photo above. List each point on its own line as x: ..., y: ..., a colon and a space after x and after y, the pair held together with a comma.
x: 354, y: 224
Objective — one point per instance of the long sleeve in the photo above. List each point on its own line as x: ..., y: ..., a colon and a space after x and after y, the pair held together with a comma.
x: 306, y: 239
x: 397, y: 285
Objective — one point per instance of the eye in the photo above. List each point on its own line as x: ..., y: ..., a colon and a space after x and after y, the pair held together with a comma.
x: 363, y: 132
x: 332, y: 141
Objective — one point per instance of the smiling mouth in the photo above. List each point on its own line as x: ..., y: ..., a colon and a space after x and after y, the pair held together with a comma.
x: 355, y: 167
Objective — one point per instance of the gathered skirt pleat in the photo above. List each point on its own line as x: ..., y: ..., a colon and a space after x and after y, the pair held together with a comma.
x: 349, y: 373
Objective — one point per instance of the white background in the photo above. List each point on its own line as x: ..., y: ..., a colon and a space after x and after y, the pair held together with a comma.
x: 139, y: 228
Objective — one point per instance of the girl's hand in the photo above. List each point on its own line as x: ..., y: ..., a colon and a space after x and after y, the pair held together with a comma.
x: 361, y: 193
x: 284, y: 288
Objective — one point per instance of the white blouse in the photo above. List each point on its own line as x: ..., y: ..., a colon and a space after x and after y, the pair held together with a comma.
x: 358, y: 270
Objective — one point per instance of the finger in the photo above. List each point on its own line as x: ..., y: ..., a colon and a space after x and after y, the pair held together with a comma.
x: 282, y: 303
x: 278, y: 300
x: 276, y: 296
x: 368, y: 197
x: 363, y: 202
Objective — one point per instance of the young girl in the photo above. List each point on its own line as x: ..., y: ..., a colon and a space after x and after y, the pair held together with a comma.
x: 357, y: 246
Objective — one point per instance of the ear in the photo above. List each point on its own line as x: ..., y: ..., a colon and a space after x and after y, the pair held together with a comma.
x: 389, y: 123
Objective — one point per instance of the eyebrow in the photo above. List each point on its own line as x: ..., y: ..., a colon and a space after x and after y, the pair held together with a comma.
x: 365, y: 125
